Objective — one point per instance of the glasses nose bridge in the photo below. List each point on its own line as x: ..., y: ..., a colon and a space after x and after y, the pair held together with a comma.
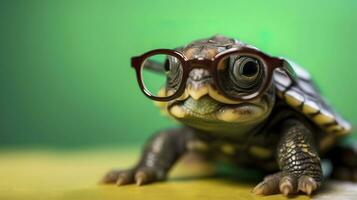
x: 200, y: 63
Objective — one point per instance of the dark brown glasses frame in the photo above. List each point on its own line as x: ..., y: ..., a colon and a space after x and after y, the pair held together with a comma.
x: 269, y: 63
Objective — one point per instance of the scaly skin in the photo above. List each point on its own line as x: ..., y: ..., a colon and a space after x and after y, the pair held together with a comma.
x: 298, y: 161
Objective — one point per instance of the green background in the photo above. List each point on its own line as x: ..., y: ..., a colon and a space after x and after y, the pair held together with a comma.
x: 65, y: 79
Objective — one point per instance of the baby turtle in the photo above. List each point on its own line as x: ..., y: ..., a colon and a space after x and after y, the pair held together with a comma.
x: 239, y: 103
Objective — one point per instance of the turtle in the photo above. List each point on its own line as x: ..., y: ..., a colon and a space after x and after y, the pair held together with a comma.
x: 238, y: 104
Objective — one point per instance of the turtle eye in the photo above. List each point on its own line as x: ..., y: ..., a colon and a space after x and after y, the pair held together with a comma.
x: 173, y: 69
x: 245, y: 71
x: 249, y: 68
x: 167, y: 66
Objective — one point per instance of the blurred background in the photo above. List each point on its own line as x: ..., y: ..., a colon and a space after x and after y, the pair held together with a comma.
x: 66, y: 82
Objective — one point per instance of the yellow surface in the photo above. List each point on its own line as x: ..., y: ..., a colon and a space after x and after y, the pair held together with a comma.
x: 68, y: 175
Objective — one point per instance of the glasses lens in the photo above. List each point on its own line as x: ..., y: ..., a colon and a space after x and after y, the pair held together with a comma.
x: 161, y: 75
x: 240, y: 76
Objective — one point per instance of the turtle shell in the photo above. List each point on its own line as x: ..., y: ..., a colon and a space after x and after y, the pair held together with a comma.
x: 303, y: 95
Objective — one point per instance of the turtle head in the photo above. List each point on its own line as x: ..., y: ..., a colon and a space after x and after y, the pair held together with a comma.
x: 203, y: 106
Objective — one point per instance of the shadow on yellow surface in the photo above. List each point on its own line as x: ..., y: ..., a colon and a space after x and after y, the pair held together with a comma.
x: 68, y: 175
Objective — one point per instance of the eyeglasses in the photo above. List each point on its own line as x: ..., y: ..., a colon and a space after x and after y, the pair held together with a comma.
x: 239, y: 74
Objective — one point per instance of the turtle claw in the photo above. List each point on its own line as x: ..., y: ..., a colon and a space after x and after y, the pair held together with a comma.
x: 260, y: 188
x: 268, y: 186
x: 120, y: 181
x: 307, y: 184
x: 286, y: 185
x: 118, y: 177
x: 263, y: 189
x: 125, y: 177
x: 140, y: 176
x: 110, y: 177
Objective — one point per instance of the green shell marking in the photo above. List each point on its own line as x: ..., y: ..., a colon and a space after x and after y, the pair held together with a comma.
x: 305, y: 97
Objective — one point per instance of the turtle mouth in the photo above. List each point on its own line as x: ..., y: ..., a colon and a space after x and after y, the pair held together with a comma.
x: 208, y: 109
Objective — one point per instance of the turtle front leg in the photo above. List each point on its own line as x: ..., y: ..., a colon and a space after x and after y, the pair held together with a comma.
x: 159, y: 155
x: 298, y: 161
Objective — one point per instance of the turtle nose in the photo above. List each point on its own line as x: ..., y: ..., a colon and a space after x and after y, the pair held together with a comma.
x: 198, y: 83
x: 199, y: 74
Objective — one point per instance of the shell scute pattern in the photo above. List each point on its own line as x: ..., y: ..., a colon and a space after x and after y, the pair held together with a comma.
x: 305, y: 97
